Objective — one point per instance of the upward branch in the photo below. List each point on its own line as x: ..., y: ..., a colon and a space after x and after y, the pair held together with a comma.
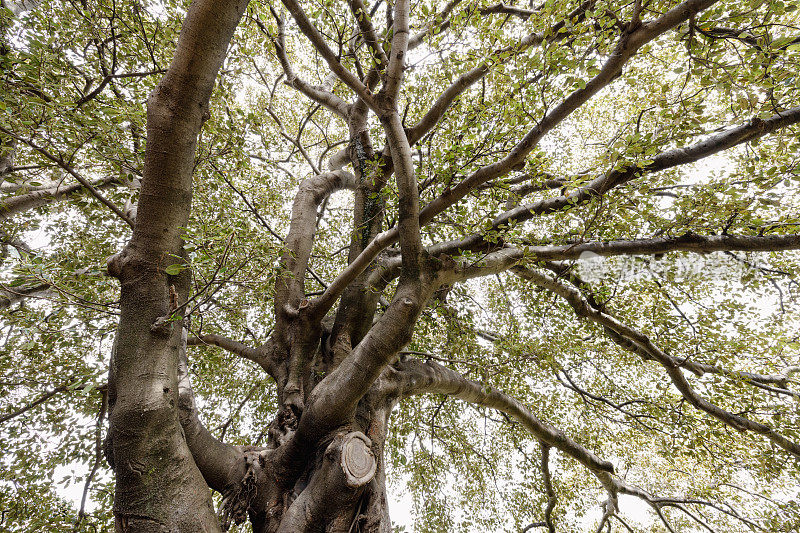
x: 626, y: 48
x: 753, y: 129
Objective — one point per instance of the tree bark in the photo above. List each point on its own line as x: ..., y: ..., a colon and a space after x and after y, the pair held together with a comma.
x: 158, y: 484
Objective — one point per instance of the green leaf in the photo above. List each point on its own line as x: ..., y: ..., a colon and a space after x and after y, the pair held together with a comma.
x: 174, y: 269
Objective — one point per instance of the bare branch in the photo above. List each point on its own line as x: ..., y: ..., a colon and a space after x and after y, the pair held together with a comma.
x: 235, y: 347
x: 397, y: 59
x: 548, y: 487
x: 98, y: 454
x: 220, y: 463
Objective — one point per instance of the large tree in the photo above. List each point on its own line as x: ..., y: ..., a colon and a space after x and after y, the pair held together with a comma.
x: 328, y: 220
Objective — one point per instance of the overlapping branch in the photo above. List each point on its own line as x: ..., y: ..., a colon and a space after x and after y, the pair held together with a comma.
x: 631, y: 41
x: 633, y: 340
x: 749, y: 131
x: 467, y: 79
x: 629, y: 44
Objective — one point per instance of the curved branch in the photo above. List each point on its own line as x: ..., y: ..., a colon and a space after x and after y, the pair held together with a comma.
x: 641, y: 344
x: 221, y: 464
x: 334, y: 400
x: 548, y: 487
x: 289, y: 287
x: 410, y: 376
x: 256, y: 355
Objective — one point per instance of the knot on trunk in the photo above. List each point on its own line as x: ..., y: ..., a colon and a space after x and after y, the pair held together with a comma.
x: 357, y: 460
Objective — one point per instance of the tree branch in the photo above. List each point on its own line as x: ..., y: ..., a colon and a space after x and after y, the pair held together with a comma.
x: 244, y: 351
x: 24, y: 202
x: 11, y: 295
x: 83, y: 181
x: 411, y: 376
x: 467, y: 79
x: 753, y: 129
x: 625, y: 49
x: 643, y: 345
x: 289, y: 287
x: 316, y: 93
x: 318, y: 41
x: 368, y: 31
x: 444, y: 16
x: 220, y: 463
x: 30, y: 405
x: 688, y: 242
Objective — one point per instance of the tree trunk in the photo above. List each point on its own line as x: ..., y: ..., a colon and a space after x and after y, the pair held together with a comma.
x: 158, y: 484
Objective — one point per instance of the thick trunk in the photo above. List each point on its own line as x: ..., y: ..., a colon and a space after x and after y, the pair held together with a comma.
x: 158, y: 484
x: 328, y: 480
x: 159, y: 487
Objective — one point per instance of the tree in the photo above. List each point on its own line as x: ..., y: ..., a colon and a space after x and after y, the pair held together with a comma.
x: 488, y: 154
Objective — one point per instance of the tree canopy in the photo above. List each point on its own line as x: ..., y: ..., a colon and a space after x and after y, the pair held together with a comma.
x: 533, y: 265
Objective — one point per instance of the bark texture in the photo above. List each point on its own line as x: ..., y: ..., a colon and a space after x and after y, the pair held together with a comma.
x: 158, y: 484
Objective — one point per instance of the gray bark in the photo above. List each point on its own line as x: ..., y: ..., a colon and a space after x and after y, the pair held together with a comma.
x: 158, y: 484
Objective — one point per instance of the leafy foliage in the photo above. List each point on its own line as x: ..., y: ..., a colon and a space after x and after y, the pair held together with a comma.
x: 76, y: 77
